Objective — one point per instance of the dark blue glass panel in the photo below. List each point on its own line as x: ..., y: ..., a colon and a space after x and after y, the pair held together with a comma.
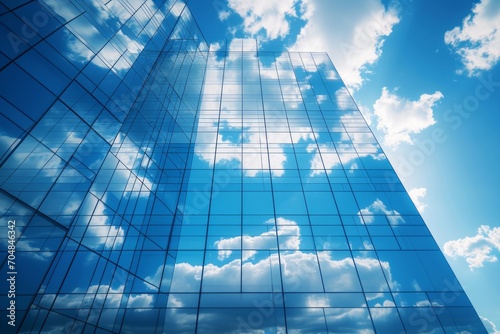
x: 24, y: 92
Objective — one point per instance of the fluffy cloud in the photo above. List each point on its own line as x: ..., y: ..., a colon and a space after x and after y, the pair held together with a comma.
x: 86, y: 39
x: 328, y: 157
x: 490, y: 326
x: 102, y: 294
x: 378, y: 207
x: 39, y: 253
x: 417, y: 194
x: 367, y: 113
x: 259, y: 15
x: 477, y: 41
x: 355, y: 40
x: 287, y: 230
x: 244, y: 145
x: 100, y: 231
x: 399, y: 118
x: 477, y: 249
x: 354, y: 43
x: 300, y: 270
x: 224, y: 14
x: 249, y: 155
x: 331, y: 156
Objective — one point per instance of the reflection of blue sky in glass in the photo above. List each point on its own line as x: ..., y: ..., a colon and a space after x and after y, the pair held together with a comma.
x: 308, y: 250
x: 126, y: 43
x: 255, y: 140
x: 414, y: 69
x: 188, y: 189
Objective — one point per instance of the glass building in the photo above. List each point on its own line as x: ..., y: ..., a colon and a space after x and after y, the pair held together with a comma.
x: 155, y: 186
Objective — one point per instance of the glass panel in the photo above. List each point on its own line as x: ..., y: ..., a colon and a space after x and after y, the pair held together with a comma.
x: 310, y: 319
x: 349, y: 320
x: 338, y: 272
x: 15, y: 92
x: 387, y: 320
x: 370, y: 271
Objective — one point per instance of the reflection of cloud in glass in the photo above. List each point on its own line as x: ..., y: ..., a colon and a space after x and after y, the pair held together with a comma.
x: 341, y: 273
x: 346, y: 151
x: 378, y: 208
x: 381, y: 312
x: 241, y: 139
x: 99, y: 295
x: 65, y: 10
x: 248, y: 145
x: 286, y: 229
x: 142, y: 300
x: 100, y: 232
x: 307, y: 275
x: 131, y: 169
x: 126, y: 41
x: 299, y: 269
x: 344, y: 99
x: 326, y: 155
x: 345, y: 320
x: 39, y: 253
x: 6, y: 142
x: 32, y: 155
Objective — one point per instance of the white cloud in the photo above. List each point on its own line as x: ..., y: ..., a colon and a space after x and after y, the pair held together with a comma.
x: 66, y: 12
x: 367, y: 113
x: 477, y: 41
x: 259, y: 15
x: 6, y: 142
x: 247, y: 147
x: 101, y: 294
x: 89, y: 40
x: 178, y: 8
x: 99, y: 231
x: 216, y: 46
x: 186, y: 277
x: 287, y: 230
x: 376, y: 208
x: 490, y: 326
x: 328, y: 157
x: 300, y: 270
x: 224, y: 14
x: 352, y: 32
x: 399, y: 118
x: 382, y: 311
x: 40, y: 254
x: 477, y: 249
x: 140, y: 301
x: 417, y: 194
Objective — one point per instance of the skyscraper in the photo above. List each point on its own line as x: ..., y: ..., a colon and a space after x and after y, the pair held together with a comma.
x: 150, y: 184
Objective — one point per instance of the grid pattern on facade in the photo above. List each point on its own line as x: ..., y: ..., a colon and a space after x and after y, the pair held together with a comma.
x: 161, y: 187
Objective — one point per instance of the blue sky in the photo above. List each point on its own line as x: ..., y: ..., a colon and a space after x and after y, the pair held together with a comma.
x: 426, y: 76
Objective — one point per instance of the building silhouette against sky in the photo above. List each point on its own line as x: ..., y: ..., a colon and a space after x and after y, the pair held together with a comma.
x: 160, y: 187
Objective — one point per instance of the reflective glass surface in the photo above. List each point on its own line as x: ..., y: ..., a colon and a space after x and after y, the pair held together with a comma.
x: 161, y: 187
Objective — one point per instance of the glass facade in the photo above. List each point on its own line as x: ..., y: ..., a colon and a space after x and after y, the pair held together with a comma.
x: 158, y: 186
